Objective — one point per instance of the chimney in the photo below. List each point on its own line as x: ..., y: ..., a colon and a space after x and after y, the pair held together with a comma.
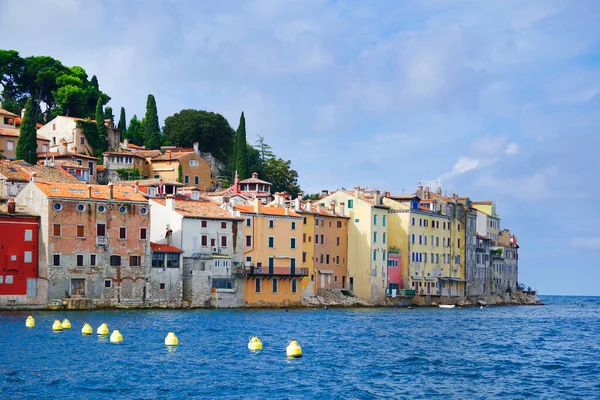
x: 287, y: 211
x: 22, y: 113
x: 342, y: 208
x: 74, y: 149
x: 319, y: 208
x: 439, y: 190
x: 420, y: 191
x: 308, y: 206
x: 257, y: 205
x: 168, y: 154
x: 62, y: 148
x: 170, y: 203
x: 89, y: 187
x: 110, y: 190
x: 276, y: 198
x: 12, y: 207
x: 387, y: 194
x: 33, y: 176
x: 197, y: 149
x: 236, y: 183
x: 137, y: 185
x: 356, y: 191
x: 255, y: 175
x: 377, y: 197
x: 126, y: 143
x: 324, y: 193
x: 427, y: 196
x: 297, y: 204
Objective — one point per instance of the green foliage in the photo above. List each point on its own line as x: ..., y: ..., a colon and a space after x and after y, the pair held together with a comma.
x: 180, y: 174
x: 496, y: 252
x: 210, y: 130
x: 151, y: 132
x: 122, y: 126
x: 393, y: 250
x: 108, y: 114
x: 265, y: 150
x: 134, y: 132
x: 282, y: 176
x: 27, y: 146
x: 90, y: 131
x: 11, y: 66
x: 101, y: 128
x: 129, y: 173
x: 241, y: 150
x: 314, y: 196
x: 255, y: 162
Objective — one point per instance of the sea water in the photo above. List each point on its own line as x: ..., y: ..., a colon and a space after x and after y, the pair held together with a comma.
x: 550, y: 351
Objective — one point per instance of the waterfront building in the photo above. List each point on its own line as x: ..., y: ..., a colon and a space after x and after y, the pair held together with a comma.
x: 475, y: 286
x: 488, y: 221
x: 212, y: 243
x: 72, y: 131
x: 165, y: 275
x: 504, y: 259
x: 272, y: 254
x: 19, y: 256
x: 367, y: 240
x: 94, y: 246
x: 184, y: 165
x: 479, y: 281
x: 394, y: 272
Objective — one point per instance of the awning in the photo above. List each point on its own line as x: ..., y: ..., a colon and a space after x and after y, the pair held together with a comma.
x: 282, y: 256
x: 326, y: 271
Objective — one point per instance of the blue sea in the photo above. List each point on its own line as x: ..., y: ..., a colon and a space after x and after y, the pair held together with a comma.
x: 540, y: 352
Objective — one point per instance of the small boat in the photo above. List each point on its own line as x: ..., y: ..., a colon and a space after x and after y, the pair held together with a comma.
x: 446, y: 306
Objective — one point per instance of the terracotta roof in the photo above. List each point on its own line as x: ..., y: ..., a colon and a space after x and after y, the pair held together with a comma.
x: 21, y: 211
x: 56, y: 154
x: 69, y: 164
x: 123, y: 153
x: 100, y: 168
x: 403, y: 197
x: 174, y: 155
x: 15, y: 132
x: 483, y: 237
x: 132, y: 146
x: 164, y: 248
x: 80, y: 191
x: 8, y: 113
x: 17, y: 122
x: 20, y: 171
x: 483, y: 202
x: 151, y: 182
x: 199, y: 209
x: 281, y: 211
x: 147, y: 153
x: 363, y: 198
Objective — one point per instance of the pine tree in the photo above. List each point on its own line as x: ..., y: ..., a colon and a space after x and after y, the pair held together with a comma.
x: 27, y: 146
x: 123, y: 124
x: 152, y: 135
x: 241, y: 163
x: 101, y: 144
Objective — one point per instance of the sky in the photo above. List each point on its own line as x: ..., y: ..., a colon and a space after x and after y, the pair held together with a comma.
x: 495, y: 100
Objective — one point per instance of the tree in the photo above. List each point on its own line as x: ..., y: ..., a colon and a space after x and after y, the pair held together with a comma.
x: 108, y: 114
x: 151, y: 132
x: 11, y: 66
x: 211, y: 130
x: 241, y: 149
x: 265, y: 150
x: 102, y: 142
x: 123, y: 124
x: 282, y: 176
x: 27, y: 146
x: 134, y: 132
x: 255, y: 162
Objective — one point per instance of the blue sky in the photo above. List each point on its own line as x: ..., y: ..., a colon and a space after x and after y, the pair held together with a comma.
x: 493, y: 99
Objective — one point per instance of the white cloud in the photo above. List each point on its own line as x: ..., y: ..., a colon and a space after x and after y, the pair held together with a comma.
x: 512, y: 148
x: 586, y: 242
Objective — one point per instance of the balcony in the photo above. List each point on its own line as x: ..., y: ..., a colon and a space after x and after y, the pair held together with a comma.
x: 281, y: 272
x: 101, y: 241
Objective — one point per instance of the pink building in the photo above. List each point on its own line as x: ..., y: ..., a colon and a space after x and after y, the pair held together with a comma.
x: 394, y: 274
x: 253, y: 188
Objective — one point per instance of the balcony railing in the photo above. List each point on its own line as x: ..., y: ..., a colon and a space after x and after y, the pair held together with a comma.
x: 271, y: 271
x: 101, y: 241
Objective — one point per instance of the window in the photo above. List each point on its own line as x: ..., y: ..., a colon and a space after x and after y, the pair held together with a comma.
x: 28, y: 257
x: 383, y: 238
x: 374, y: 255
x: 92, y: 260
x: 275, y: 285
x: 303, y: 256
x: 223, y: 225
x: 327, y: 259
x: 80, y: 231
x: 257, y: 285
x: 437, y: 258
x: 350, y: 203
x: 9, y: 279
x: 194, y: 163
x: 304, y: 238
x: 248, y: 241
x: 383, y: 258
x: 293, y: 243
x: 437, y: 241
x: 420, y: 239
x: 271, y: 223
x: 383, y: 220
x: 101, y: 209
x: 204, y: 240
x: 57, y: 231
x: 316, y: 221
x: 316, y: 239
x: 322, y: 239
x: 213, y: 242
x: 122, y: 233
x: 459, y: 227
x: 134, y: 261
x: 374, y: 219
x: 337, y: 260
x: 337, y: 240
x: 248, y: 222
x: 420, y: 222
x: 143, y: 233
x: 204, y: 224
x: 293, y: 225
x: 425, y: 240
x: 294, y: 285
x: 413, y: 238
x: 271, y: 242
x: 158, y: 260
x: 186, y: 179
x: 28, y: 235
x: 223, y: 241
x: 143, y: 210
x: 10, y: 145
x: 82, y: 140
x: 80, y: 260
x: 122, y: 209
x: 196, y: 180
x: 56, y: 260
x: 173, y: 260
x: 161, y: 286
x: 374, y: 237
x: 57, y: 206
x: 292, y: 262
x: 107, y: 283
x: 271, y: 262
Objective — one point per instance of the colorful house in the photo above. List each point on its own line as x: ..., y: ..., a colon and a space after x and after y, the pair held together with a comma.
x: 272, y: 254
x: 394, y: 274
x: 253, y: 188
x: 184, y: 165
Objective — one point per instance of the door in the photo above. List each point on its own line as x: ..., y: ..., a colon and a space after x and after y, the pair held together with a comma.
x: 31, y: 287
x: 322, y: 281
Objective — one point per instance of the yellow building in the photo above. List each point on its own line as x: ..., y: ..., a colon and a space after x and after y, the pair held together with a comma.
x: 272, y: 254
x: 367, y: 240
x: 184, y: 164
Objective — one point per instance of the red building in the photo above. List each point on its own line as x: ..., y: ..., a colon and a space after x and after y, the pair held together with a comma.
x: 394, y: 273
x: 18, y: 254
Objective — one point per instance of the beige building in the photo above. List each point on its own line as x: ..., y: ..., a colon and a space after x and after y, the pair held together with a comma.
x: 185, y: 165
x: 9, y: 135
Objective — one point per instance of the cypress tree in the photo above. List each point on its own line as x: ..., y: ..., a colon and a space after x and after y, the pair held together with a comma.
x: 27, y: 146
x: 152, y: 136
x: 100, y: 144
x: 241, y: 152
x: 122, y: 124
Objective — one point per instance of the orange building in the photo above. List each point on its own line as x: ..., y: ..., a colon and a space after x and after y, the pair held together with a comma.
x: 272, y: 254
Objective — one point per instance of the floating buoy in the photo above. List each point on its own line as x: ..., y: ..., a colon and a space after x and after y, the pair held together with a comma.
x: 171, y: 339
x: 254, y: 344
x: 102, y: 330
x: 66, y: 324
x: 481, y: 307
x: 293, y: 349
x: 116, y: 337
x: 87, y: 329
x: 30, y: 322
x: 57, y: 325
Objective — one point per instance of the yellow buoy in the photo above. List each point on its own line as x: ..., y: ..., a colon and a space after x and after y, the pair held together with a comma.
x: 30, y: 322
x: 254, y: 343
x: 66, y: 324
x: 293, y: 349
x: 87, y: 329
x: 171, y: 339
x: 116, y: 337
x: 57, y: 325
x: 102, y: 330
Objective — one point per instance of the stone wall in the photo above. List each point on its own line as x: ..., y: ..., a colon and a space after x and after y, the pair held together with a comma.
x: 197, y: 282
